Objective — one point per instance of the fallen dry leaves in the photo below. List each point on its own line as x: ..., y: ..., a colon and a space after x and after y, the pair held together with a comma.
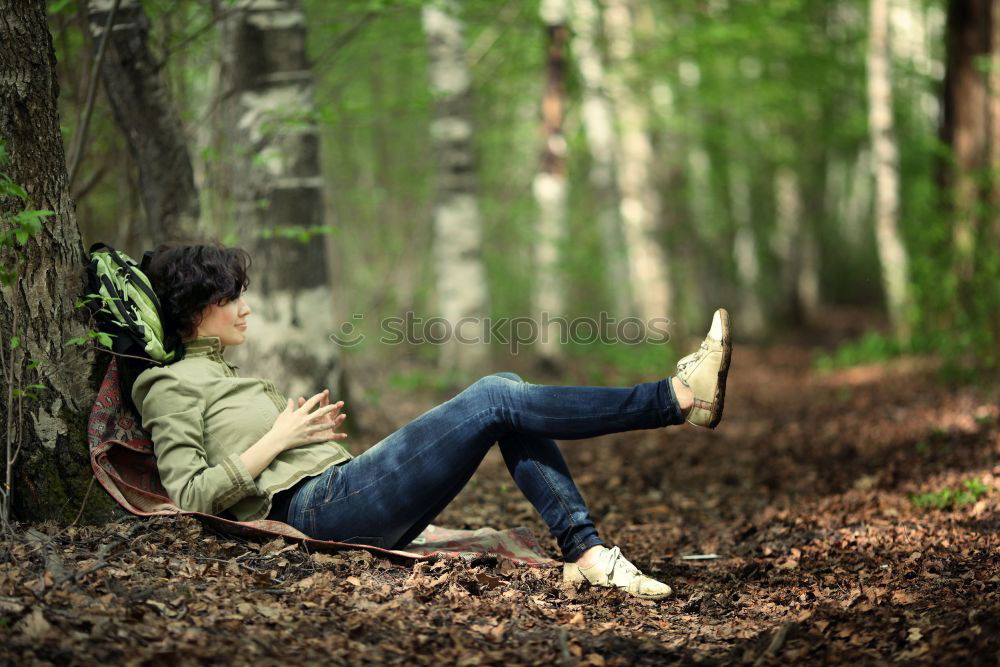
x: 803, y: 492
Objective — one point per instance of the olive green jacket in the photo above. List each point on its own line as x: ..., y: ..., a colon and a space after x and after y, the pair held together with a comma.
x: 202, y: 415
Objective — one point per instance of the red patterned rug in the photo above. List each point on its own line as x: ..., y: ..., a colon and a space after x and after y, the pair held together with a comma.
x: 121, y: 454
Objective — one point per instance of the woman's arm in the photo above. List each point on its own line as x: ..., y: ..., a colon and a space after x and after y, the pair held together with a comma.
x: 261, y: 453
x: 294, y: 428
x: 173, y: 412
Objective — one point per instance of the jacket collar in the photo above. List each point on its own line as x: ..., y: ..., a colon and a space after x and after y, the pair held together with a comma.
x: 203, y: 345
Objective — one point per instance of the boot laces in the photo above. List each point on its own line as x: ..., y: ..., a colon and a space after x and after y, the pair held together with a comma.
x: 617, y: 561
x: 684, y: 363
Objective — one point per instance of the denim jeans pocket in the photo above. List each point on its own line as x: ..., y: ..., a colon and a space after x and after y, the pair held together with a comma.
x: 328, y: 487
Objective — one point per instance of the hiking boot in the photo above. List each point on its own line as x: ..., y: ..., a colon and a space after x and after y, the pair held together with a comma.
x: 704, y: 372
x: 612, y: 570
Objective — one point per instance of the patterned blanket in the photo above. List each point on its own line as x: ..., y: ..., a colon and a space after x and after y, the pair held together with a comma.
x: 121, y: 454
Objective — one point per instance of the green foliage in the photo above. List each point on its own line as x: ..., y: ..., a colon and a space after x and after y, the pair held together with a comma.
x: 26, y: 391
x: 101, y: 338
x: 296, y: 232
x: 60, y: 6
x: 873, y: 347
x: 948, y: 498
x: 754, y: 87
x: 424, y: 380
x: 631, y: 362
x: 23, y: 224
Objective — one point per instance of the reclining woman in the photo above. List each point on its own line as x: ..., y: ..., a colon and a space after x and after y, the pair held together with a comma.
x: 233, y: 446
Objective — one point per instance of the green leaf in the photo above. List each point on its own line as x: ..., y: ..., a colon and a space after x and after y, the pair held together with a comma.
x: 9, y: 188
x: 58, y: 6
x: 76, y: 340
x: 104, y: 339
x: 15, y: 342
x: 31, y: 221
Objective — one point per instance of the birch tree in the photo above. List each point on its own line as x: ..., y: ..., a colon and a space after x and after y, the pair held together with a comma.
x: 885, y: 164
x: 278, y: 212
x: 458, y: 234
x: 51, y: 475
x: 602, y: 142
x: 649, y: 273
x: 550, y: 186
x: 795, y: 245
x: 751, y: 311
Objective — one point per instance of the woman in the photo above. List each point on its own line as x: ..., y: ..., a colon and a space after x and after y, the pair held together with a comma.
x: 231, y: 445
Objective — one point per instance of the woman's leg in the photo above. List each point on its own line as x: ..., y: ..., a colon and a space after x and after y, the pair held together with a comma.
x: 387, y: 495
x: 540, y: 472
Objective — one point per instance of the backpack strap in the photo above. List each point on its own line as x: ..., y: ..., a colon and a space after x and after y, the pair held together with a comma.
x: 138, y: 282
x: 147, y: 257
x: 119, y: 300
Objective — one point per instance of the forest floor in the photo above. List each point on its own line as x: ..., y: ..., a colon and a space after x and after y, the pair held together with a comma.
x: 809, y: 491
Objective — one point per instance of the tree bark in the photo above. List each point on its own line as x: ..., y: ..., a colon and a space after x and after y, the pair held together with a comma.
x: 991, y: 244
x: 891, y: 251
x: 458, y: 236
x: 851, y: 185
x: 550, y: 186
x: 751, y: 312
x: 966, y: 119
x: 602, y: 141
x: 272, y: 147
x: 146, y: 115
x: 640, y: 204
x: 52, y: 473
x: 790, y: 245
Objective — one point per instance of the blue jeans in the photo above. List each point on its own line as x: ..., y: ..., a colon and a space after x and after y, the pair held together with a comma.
x: 387, y: 496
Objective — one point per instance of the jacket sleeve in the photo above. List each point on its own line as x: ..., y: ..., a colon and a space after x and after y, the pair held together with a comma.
x: 173, y: 412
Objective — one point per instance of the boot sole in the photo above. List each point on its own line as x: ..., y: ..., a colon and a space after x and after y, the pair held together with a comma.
x: 720, y: 385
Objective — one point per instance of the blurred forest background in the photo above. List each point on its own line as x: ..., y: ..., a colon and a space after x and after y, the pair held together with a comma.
x: 785, y: 159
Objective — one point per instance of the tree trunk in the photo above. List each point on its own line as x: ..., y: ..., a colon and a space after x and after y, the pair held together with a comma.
x: 278, y: 211
x: 851, y: 185
x: 52, y: 473
x: 891, y: 251
x: 751, y: 312
x: 788, y: 239
x: 991, y: 244
x: 807, y: 288
x: 144, y: 112
x: 640, y: 204
x: 458, y: 251
x: 602, y: 140
x: 550, y: 185
x: 965, y: 124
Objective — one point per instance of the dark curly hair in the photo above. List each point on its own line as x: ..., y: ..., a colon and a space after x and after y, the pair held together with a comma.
x: 187, y: 278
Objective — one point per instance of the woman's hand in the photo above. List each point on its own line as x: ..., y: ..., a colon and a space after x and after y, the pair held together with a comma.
x: 331, y: 418
x: 295, y: 427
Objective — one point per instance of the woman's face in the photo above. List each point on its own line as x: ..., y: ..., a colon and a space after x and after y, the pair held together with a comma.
x: 227, y: 321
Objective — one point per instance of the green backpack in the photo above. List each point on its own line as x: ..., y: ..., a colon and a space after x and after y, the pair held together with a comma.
x: 129, y: 311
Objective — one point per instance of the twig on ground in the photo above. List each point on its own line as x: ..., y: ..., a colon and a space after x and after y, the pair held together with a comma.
x: 776, y: 643
x: 84, y: 503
